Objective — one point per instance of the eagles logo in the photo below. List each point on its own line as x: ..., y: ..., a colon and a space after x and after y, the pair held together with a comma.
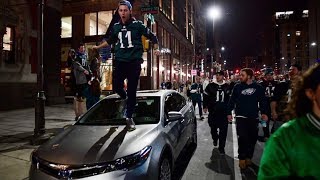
x: 248, y: 91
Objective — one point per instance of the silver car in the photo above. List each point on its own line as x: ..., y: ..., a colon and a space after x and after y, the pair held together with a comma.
x: 99, y: 146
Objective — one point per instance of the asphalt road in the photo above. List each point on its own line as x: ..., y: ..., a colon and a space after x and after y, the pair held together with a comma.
x: 205, y: 163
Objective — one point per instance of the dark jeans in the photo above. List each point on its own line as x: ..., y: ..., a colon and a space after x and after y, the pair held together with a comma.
x: 194, y: 102
x: 247, y: 131
x: 218, y: 121
x: 131, y: 72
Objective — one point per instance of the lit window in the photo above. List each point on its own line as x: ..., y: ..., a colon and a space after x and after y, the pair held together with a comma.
x: 298, y: 33
x: 8, y: 53
x: 90, y: 24
x: 104, y: 20
x: 7, y: 40
x: 66, y: 27
x: 97, y: 23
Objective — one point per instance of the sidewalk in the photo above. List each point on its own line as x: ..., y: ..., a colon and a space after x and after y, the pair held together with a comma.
x: 16, y: 130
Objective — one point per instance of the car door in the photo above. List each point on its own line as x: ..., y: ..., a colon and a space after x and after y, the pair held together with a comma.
x: 184, y: 123
x: 172, y: 129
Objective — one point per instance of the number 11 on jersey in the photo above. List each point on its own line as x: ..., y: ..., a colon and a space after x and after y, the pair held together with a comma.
x: 128, y: 37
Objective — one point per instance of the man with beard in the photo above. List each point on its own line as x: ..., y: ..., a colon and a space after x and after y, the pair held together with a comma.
x: 247, y: 98
x: 215, y: 99
x: 269, y: 85
x: 282, y: 96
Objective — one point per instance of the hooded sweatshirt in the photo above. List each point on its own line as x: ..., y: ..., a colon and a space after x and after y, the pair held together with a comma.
x: 247, y: 100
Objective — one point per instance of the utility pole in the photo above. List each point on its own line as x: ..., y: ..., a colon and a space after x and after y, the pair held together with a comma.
x: 39, y: 129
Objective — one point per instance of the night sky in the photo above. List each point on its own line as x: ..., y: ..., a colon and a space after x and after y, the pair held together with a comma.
x: 243, y: 22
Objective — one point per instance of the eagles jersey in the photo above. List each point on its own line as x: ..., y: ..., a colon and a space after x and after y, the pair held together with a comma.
x: 82, y: 59
x: 269, y: 87
x: 216, y: 97
x: 128, y: 40
x: 282, y: 95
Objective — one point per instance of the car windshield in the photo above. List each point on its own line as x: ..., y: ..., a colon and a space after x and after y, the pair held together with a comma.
x: 111, y: 112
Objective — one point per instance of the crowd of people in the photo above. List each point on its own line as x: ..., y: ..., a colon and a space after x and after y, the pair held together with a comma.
x: 291, y: 102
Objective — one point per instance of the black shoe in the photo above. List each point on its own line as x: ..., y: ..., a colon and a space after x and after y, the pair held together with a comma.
x: 215, y: 143
x: 130, y: 124
x: 201, y: 118
x: 222, y: 152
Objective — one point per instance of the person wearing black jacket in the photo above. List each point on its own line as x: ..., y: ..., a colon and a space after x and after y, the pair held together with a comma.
x: 269, y: 84
x: 247, y: 98
x: 215, y: 99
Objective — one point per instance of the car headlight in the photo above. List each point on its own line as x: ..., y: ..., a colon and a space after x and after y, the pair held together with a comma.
x: 65, y: 171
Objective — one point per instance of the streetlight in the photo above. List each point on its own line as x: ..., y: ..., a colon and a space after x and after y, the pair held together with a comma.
x: 214, y: 13
x: 223, y: 48
x: 313, y: 44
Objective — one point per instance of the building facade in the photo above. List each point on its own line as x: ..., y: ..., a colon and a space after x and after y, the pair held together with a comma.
x: 18, y: 53
x: 314, y: 30
x: 69, y: 22
x: 291, y: 39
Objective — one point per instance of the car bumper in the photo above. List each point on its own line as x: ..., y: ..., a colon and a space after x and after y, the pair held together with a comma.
x: 140, y: 172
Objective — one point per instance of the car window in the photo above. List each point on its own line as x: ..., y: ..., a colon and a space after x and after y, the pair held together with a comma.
x: 170, y: 103
x: 180, y: 100
x: 174, y: 102
x: 111, y: 112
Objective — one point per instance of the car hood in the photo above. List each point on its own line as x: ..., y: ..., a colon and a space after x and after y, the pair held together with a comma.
x: 82, y: 145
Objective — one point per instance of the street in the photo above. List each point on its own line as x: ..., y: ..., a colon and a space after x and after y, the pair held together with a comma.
x: 208, y: 164
x: 205, y: 164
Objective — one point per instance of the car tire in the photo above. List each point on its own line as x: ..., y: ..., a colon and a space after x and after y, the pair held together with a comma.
x: 194, y: 137
x: 165, y: 170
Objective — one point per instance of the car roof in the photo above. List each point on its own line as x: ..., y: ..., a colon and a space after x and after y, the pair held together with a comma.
x: 152, y: 93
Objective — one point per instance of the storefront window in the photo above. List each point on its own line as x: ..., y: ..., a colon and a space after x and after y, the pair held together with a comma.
x: 97, y: 23
x: 66, y: 27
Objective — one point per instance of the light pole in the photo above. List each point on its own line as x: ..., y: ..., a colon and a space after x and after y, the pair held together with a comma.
x: 214, y: 13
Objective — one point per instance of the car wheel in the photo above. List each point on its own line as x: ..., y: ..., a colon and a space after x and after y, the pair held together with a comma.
x: 194, y: 138
x: 165, y: 169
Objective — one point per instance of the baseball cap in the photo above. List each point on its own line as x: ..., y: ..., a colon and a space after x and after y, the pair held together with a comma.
x: 220, y: 73
x: 126, y: 3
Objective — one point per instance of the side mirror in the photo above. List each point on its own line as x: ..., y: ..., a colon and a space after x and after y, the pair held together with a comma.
x: 174, y: 116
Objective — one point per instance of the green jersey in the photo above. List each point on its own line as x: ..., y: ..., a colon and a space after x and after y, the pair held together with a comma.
x: 128, y: 41
x: 293, y: 151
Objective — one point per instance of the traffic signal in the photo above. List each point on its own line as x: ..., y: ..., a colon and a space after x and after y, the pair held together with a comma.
x: 145, y: 43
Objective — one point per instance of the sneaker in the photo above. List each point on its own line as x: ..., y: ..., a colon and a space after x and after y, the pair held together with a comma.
x: 130, y: 124
x: 248, y: 162
x: 242, y: 164
x: 215, y: 143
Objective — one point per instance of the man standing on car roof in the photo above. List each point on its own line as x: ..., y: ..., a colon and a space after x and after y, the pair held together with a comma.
x: 127, y: 34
